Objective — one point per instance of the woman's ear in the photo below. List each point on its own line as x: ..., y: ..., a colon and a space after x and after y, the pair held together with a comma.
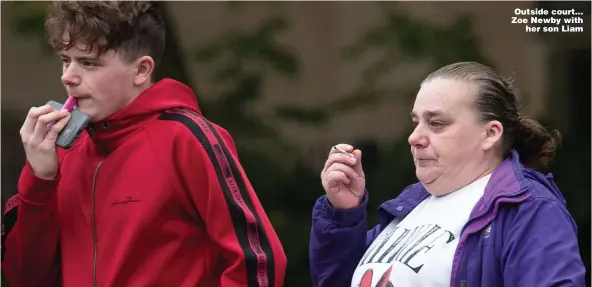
x: 493, y: 135
x: 144, y: 69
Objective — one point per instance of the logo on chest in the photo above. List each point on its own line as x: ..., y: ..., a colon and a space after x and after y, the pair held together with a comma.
x: 384, y: 280
x: 487, y: 232
x: 126, y: 201
x: 408, y: 246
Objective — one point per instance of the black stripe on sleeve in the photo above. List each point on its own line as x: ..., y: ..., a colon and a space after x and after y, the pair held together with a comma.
x: 10, y: 215
x: 251, y: 234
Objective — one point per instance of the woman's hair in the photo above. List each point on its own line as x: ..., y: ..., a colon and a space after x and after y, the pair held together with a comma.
x: 132, y: 28
x: 498, y: 100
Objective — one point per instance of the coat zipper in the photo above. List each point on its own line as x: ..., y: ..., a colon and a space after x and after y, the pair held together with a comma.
x: 491, y: 202
x: 94, y: 226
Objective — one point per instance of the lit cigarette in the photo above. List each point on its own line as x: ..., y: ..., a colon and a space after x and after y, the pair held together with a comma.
x: 343, y: 151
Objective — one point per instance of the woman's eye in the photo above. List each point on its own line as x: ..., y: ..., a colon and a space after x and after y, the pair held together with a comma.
x: 436, y: 124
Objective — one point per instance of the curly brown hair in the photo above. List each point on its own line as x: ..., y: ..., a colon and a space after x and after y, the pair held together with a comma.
x: 132, y: 28
x: 499, y: 100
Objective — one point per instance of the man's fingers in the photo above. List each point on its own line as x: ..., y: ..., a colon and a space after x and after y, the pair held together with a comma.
x: 52, y: 116
x: 52, y: 134
x: 39, y: 111
x: 29, y: 124
x: 41, y: 127
x: 31, y: 119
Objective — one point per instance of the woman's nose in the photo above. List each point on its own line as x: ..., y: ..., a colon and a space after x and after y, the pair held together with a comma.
x: 417, y: 138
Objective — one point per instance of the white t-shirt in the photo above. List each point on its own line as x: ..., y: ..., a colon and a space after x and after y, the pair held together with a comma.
x: 418, y: 251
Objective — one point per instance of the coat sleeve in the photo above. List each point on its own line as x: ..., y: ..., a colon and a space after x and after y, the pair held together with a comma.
x: 235, y: 221
x: 541, y: 247
x: 30, y: 231
x: 338, y: 241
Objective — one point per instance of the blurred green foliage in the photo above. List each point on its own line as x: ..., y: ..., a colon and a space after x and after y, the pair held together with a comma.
x: 28, y: 18
x: 243, y: 59
x: 401, y: 39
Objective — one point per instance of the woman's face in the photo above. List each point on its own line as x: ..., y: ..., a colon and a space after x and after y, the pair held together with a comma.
x: 450, y: 146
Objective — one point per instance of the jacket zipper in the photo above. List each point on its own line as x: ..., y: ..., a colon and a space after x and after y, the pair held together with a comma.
x: 94, y: 226
x: 491, y: 202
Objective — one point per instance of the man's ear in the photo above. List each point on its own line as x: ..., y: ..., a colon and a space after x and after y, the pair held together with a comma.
x: 493, y: 135
x: 144, y: 69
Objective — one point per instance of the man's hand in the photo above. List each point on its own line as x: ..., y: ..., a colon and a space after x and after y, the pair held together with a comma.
x: 343, y: 177
x: 39, y: 142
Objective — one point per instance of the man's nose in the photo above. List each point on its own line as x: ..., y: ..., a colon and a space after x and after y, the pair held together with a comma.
x: 69, y: 77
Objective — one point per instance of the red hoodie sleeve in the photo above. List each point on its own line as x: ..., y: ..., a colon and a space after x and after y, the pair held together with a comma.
x: 226, y: 202
x: 30, y: 233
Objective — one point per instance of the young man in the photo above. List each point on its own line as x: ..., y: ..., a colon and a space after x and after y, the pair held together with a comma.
x: 151, y: 194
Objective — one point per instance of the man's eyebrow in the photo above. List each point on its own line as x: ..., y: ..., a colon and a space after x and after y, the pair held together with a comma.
x: 80, y: 58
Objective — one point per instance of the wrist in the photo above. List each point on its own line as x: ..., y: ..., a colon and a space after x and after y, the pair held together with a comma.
x: 347, y: 217
x: 40, y: 174
x: 33, y: 189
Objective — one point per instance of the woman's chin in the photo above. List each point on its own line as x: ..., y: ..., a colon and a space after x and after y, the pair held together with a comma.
x: 425, y: 175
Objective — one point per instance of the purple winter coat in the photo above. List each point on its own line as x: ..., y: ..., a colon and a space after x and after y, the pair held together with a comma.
x: 519, y: 234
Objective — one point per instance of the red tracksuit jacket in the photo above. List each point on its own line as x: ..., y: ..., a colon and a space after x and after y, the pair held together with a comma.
x: 152, y: 196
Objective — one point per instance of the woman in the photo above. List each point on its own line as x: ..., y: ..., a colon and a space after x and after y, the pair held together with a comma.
x: 477, y: 217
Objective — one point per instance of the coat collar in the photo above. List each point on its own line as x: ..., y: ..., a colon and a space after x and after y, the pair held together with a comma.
x: 506, y: 181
